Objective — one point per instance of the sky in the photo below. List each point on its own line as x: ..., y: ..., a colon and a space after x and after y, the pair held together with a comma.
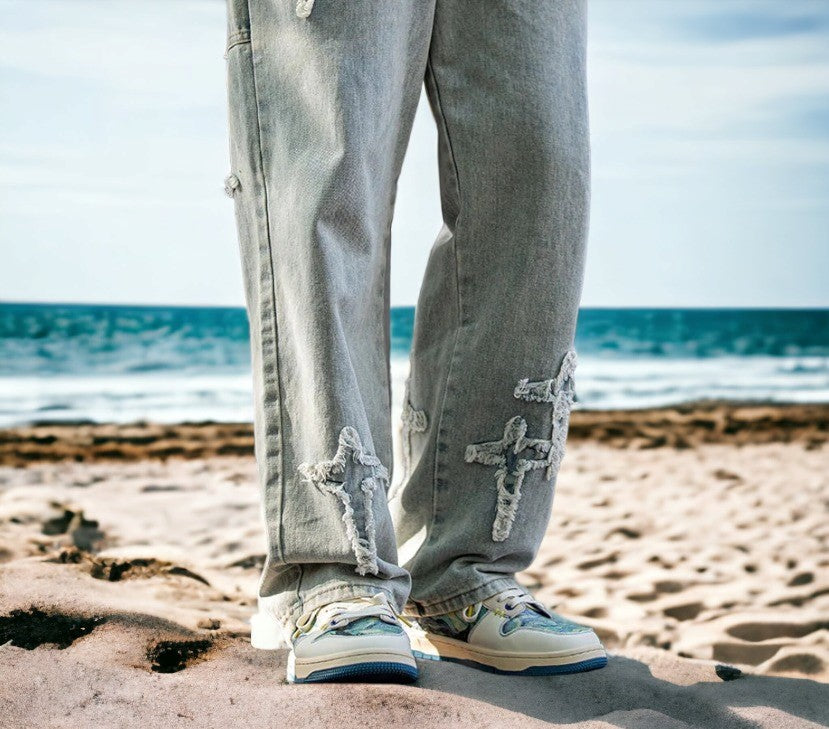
x: 709, y: 133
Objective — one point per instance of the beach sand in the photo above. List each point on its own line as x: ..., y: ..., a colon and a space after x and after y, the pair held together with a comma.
x: 689, y: 538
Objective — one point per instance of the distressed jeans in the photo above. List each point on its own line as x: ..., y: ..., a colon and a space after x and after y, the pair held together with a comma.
x: 322, y: 97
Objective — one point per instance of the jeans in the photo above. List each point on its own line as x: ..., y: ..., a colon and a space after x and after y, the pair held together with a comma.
x: 322, y: 96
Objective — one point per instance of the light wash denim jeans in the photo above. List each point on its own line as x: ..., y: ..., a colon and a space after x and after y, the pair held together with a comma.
x: 322, y: 99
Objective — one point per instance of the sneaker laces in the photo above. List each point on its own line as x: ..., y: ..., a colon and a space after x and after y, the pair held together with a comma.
x: 513, y: 601
x: 337, y: 615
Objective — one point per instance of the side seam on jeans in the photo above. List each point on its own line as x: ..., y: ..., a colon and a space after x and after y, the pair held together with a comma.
x: 271, y: 292
x: 455, y: 345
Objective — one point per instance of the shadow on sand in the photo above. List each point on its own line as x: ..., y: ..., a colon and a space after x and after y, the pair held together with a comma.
x: 626, y: 685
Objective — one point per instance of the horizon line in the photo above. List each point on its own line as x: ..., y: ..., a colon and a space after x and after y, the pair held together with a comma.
x: 637, y: 307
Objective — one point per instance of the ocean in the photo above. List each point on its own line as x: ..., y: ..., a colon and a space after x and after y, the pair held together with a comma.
x: 68, y: 362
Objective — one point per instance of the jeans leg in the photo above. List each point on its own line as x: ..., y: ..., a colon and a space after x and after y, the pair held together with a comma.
x: 491, y: 381
x: 322, y: 97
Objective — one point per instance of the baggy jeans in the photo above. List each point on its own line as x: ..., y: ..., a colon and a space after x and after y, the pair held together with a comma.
x: 322, y: 97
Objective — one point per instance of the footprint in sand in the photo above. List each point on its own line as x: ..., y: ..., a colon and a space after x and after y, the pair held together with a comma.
x: 160, y: 488
x: 757, y: 632
x: 759, y: 642
x: 668, y: 586
x: 252, y: 561
x: 684, y: 611
x: 83, y: 532
x: 794, y: 660
x: 115, y: 570
x: 804, y: 578
x: 171, y: 656
x: 32, y: 628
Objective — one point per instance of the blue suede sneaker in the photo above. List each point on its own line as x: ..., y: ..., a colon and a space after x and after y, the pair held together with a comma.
x: 508, y: 633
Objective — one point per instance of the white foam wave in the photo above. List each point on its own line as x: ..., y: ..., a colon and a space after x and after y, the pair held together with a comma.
x: 601, y: 384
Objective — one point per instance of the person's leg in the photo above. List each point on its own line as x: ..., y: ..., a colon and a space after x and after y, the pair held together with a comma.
x: 322, y: 99
x: 492, y: 362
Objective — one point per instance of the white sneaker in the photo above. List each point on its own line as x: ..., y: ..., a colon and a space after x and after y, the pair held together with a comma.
x: 509, y: 633
x: 351, y: 640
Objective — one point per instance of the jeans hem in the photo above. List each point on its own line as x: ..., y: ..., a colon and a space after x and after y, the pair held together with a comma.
x: 461, y: 600
x: 287, y: 611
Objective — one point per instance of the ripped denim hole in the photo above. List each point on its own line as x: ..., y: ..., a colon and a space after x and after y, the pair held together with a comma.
x: 330, y: 477
x: 514, y: 455
x: 304, y: 8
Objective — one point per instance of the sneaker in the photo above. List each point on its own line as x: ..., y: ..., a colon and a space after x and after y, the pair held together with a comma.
x: 508, y: 633
x: 351, y: 640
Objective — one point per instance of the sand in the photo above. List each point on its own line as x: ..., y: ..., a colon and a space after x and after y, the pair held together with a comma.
x: 689, y: 538
x: 678, y: 427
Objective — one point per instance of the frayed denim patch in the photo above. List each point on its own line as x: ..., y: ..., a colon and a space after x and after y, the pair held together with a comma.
x: 548, y: 390
x: 514, y: 454
x: 329, y: 476
x: 303, y: 8
x: 511, y: 469
x: 560, y: 391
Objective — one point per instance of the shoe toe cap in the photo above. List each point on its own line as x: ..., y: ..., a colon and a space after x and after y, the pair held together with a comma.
x: 328, y: 643
x: 543, y: 642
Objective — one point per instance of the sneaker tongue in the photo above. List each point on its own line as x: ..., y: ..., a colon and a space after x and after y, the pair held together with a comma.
x: 536, y: 608
x: 529, y: 604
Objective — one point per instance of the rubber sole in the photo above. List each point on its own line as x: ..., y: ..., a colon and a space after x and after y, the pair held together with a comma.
x: 384, y: 672
x: 591, y: 664
x: 433, y: 647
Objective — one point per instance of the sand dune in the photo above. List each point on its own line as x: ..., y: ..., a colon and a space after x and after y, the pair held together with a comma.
x: 126, y: 584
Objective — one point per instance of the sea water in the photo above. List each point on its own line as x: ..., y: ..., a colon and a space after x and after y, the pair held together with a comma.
x: 172, y: 364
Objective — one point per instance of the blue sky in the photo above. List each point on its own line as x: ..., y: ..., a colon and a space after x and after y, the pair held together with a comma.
x: 710, y: 133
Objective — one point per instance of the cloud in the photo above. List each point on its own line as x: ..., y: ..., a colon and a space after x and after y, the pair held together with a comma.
x: 738, y: 21
x: 669, y: 100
